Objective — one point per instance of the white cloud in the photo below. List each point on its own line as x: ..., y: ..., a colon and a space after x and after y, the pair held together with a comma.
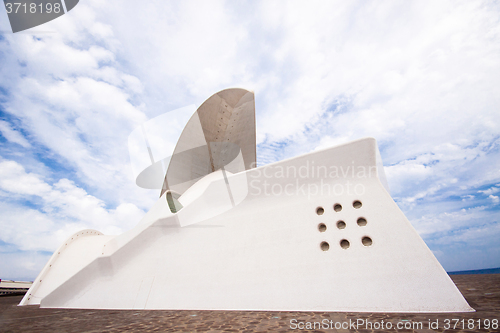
x: 63, y: 209
x: 12, y: 135
x: 467, y: 197
x: 449, y: 220
x: 490, y: 191
x: 15, y: 180
x: 494, y: 198
x: 77, y: 102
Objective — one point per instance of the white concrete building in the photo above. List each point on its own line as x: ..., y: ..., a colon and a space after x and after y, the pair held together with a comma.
x: 318, y: 232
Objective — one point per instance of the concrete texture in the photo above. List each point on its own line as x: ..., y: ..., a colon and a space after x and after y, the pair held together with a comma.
x: 481, y: 291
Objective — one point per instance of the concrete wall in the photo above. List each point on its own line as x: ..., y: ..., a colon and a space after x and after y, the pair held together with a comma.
x: 298, y: 239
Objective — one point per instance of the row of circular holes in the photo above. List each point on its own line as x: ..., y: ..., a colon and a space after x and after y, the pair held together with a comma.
x: 345, y: 244
x: 341, y: 224
x: 338, y: 207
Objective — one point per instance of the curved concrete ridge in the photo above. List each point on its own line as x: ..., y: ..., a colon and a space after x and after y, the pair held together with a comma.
x: 57, y: 275
x: 221, y: 128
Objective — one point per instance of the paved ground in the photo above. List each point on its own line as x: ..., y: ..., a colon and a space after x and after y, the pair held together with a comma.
x: 481, y: 291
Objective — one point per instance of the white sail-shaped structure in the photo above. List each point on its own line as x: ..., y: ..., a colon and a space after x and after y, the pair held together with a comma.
x: 317, y: 232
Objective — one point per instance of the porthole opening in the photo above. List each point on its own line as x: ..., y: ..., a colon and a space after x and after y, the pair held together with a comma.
x: 357, y: 204
x: 341, y: 225
x: 362, y: 222
x: 173, y: 202
x: 322, y: 227
x: 320, y: 211
x: 325, y: 246
x: 345, y: 244
x: 367, y: 241
x: 337, y: 207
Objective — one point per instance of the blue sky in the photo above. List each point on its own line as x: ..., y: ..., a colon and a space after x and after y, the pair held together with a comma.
x: 421, y: 77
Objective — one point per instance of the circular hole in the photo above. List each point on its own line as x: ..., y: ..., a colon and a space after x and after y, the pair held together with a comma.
x: 341, y: 225
x: 344, y: 244
x: 337, y: 207
x: 367, y: 241
x: 322, y: 227
x: 362, y: 222
x: 357, y: 204
x: 325, y: 246
x: 320, y: 210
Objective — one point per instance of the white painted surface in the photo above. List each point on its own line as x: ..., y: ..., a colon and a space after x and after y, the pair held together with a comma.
x: 76, y: 252
x: 264, y: 252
